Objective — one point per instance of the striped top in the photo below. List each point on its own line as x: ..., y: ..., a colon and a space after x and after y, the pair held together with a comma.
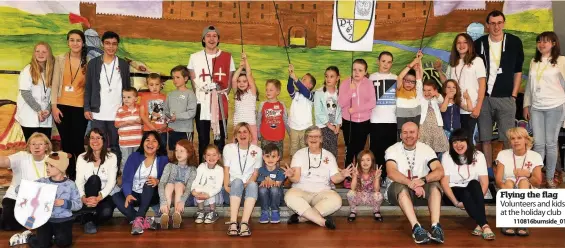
x: 408, y: 102
x: 244, y: 110
x: 130, y: 135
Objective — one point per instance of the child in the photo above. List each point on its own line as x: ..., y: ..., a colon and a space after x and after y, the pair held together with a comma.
x: 300, y: 108
x: 245, y: 97
x: 409, y: 92
x: 365, y: 186
x: 326, y: 110
x: 128, y: 123
x: 180, y: 108
x: 177, y: 179
x: 152, y: 107
x: 59, y: 228
x: 431, y: 123
x: 452, y: 105
x: 272, y: 117
x: 208, y: 184
x: 383, y: 117
x: 270, y: 181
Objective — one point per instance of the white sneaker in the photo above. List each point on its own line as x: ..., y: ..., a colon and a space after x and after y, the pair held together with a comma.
x: 20, y: 238
x: 199, y: 217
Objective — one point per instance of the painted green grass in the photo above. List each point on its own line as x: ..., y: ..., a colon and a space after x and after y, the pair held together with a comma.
x: 18, y: 22
x: 535, y: 21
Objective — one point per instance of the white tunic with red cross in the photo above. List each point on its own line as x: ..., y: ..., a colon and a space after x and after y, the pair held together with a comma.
x: 211, y: 70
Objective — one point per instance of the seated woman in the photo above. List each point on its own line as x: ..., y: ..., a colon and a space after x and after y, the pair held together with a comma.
x: 518, y: 168
x: 465, y: 181
x: 25, y: 165
x: 242, y: 161
x: 312, y: 169
x: 141, y: 176
x: 96, y: 177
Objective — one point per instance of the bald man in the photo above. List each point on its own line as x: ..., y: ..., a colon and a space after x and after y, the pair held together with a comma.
x: 415, y: 172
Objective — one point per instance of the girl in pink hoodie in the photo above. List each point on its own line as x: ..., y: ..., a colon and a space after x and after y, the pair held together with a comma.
x: 357, y: 100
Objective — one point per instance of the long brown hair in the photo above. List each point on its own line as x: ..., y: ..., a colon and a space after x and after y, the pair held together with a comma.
x: 360, y: 170
x: 469, y: 56
x: 36, y: 69
x: 457, y: 97
x: 192, y: 159
x: 89, y: 155
x: 555, y: 50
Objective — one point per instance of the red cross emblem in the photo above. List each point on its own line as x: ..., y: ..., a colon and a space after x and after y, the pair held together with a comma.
x: 528, y: 165
x: 326, y: 160
x: 203, y: 75
x: 253, y: 153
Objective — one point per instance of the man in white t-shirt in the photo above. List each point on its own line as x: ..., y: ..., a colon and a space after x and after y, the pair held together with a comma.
x: 415, y: 172
x: 503, y: 56
x: 211, y: 70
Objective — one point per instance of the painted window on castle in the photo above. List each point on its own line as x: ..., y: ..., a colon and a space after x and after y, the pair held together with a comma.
x: 262, y: 16
x: 221, y: 14
x: 171, y: 11
x: 262, y: 6
x: 314, y: 6
x: 389, y: 5
x: 403, y: 5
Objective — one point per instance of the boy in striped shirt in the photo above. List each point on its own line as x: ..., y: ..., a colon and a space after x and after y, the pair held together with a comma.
x: 128, y: 123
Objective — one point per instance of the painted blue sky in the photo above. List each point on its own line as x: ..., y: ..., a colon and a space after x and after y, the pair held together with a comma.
x: 147, y: 8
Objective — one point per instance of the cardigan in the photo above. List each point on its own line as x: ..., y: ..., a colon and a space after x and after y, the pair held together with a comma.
x: 133, y: 162
x: 92, y: 87
x: 530, y: 86
x: 511, y: 61
x: 170, y: 172
x: 362, y: 100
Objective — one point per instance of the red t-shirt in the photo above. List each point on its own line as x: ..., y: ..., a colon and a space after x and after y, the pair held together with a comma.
x: 154, y: 109
x: 272, y: 121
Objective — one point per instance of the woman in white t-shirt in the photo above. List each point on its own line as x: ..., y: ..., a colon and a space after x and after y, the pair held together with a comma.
x: 545, y: 98
x: 465, y: 181
x: 518, y: 168
x: 242, y: 161
x: 25, y: 165
x: 469, y: 71
x: 34, y: 105
x: 97, y: 169
x: 312, y: 170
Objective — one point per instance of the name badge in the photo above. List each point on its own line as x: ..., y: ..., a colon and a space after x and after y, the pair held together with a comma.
x: 538, y: 89
x: 273, y: 176
x: 69, y: 88
x: 499, y: 71
x: 45, y: 99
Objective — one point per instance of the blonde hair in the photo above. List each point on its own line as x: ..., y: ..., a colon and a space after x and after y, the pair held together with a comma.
x: 41, y: 136
x: 36, y: 69
x: 215, y: 148
x: 520, y: 132
x: 240, y: 125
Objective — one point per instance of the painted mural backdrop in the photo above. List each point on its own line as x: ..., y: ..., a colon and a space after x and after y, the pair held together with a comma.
x: 162, y: 34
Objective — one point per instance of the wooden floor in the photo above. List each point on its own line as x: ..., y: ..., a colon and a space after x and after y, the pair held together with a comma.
x: 394, y: 232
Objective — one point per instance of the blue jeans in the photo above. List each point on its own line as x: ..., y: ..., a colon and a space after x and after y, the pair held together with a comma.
x: 546, y: 124
x: 237, y: 189
x: 270, y: 198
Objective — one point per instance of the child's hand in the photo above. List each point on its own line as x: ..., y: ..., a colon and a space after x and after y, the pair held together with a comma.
x: 290, y: 69
x: 419, y: 55
x: 379, y: 172
x: 153, y: 182
x: 129, y: 198
x: 466, y: 95
x: 179, y: 207
x: 438, y: 65
x: 355, y: 172
x: 164, y: 209
x: 263, y: 184
x: 450, y: 95
x: 243, y: 56
x: 59, y: 202
x: 242, y: 63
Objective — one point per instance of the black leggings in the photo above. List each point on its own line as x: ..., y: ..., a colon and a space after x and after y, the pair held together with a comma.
x: 473, y: 201
x: 71, y: 129
x: 203, y: 128
x: 8, y: 221
x: 28, y: 131
x: 60, y: 233
x: 469, y: 123
x: 383, y: 135
x: 146, y: 199
x: 359, y: 133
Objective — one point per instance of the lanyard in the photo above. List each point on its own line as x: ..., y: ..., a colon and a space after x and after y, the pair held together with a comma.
x: 242, y: 166
x: 111, y: 75
x: 150, y: 170
x: 100, y: 165
x: 309, y: 165
x: 539, y: 73
x: 411, y: 163
x: 76, y: 73
x: 463, y: 179
x: 208, y: 67
x: 523, y: 162
x: 37, y: 171
x: 458, y: 77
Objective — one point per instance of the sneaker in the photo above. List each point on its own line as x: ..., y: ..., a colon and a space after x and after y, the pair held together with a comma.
x: 199, y: 217
x: 20, y: 238
x: 275, y: 217
x: 330, y: 224
x: 437, y: 234
x: 293, y: 219
x: 137, y: 227
x: 149, y: 223
x: 177, y: 220
x: 90, y: 228
x: 164, y: 221
x: 264, y: 219
x: 211, y: 217
x: 420, y: 235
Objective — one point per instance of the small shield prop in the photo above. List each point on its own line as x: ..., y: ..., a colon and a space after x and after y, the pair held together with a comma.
x: 34, y: 203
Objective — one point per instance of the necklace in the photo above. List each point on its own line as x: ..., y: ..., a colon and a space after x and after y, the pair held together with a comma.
x: 411, y: 162
x: 242, y: 166
x: 310, y: 166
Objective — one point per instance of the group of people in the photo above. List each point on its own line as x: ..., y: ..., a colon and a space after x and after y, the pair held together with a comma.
x: 422, y: 144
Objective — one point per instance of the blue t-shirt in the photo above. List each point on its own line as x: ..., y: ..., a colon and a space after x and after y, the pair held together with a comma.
x: 277, y: 174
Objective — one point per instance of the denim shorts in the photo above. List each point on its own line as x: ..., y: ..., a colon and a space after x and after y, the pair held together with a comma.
x: 237, y: 189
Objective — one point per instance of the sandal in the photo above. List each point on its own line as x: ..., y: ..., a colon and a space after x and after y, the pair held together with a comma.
x: 244, y: 233
x: 522, y: 232
x: 352, y: 217
x: 378, y: 217
x: 488, y: 235
x: 477, y: 232
x: 233, y: 231
x: 508, y: 231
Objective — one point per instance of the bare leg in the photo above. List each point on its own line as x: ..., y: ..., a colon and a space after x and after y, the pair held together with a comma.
x: 407, y: 207
x: 235, y: 201
x: 169, y: 188
x: 179, y: 190
x: 434, y: 205
x: 248, y: 206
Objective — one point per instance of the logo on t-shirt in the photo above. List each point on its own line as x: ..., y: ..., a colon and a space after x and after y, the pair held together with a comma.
x: 156, y: 114
x: 273, y: 116
x: 385, y: 90
x: 331, y: 105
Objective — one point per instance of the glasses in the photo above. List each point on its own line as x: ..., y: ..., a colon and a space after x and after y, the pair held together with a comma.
x: 496, y: 23
x: 314, y: 136
x: 409, y: 81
